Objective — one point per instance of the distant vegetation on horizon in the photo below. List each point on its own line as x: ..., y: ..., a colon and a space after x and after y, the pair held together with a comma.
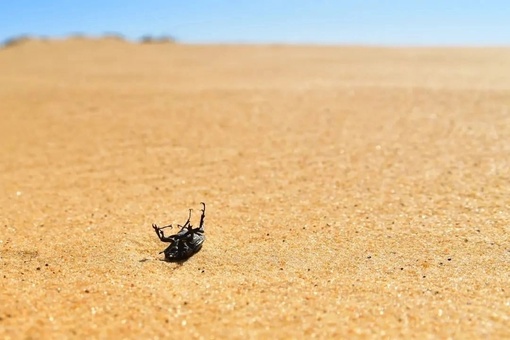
x: 145, y: 39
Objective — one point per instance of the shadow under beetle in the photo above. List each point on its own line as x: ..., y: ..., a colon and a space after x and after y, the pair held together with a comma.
x: 186, y: 242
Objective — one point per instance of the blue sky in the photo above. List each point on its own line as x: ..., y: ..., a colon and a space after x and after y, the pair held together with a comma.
x: 397, y: 22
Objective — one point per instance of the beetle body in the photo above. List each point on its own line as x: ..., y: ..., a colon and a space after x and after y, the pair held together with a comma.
x: 186, y: 242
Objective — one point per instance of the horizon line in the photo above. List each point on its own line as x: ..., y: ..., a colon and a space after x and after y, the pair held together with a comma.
x: 169, y: 39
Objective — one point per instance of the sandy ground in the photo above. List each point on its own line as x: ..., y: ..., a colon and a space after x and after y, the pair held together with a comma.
x: 350, y: 191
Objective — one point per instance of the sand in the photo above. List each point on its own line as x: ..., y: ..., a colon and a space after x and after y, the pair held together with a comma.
x: 351, y: 192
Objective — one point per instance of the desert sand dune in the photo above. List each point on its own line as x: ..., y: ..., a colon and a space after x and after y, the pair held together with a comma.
x: 350, y: 191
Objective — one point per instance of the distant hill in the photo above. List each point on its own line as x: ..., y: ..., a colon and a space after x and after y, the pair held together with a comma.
x: 149, y: 39
x: 18, y: 40
x: 146, y: 39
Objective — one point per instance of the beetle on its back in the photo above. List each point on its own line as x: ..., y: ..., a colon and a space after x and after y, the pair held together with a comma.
x: 186, y: 242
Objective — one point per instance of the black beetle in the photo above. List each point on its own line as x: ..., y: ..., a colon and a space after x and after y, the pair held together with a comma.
x: 186, y: 242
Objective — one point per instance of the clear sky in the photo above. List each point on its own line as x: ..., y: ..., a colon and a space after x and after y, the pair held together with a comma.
x: 397, y: 22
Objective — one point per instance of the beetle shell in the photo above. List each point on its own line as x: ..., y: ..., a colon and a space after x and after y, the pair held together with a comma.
x: 184, y: 245
x: 186, y: 242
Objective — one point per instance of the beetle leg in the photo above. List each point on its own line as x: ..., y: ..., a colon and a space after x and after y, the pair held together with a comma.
x: 162, y: 236
x: 156, y: 229
x: 167, y: 226
x: 202, y: 217
x: 187, y: 222
x: 189, y: 218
